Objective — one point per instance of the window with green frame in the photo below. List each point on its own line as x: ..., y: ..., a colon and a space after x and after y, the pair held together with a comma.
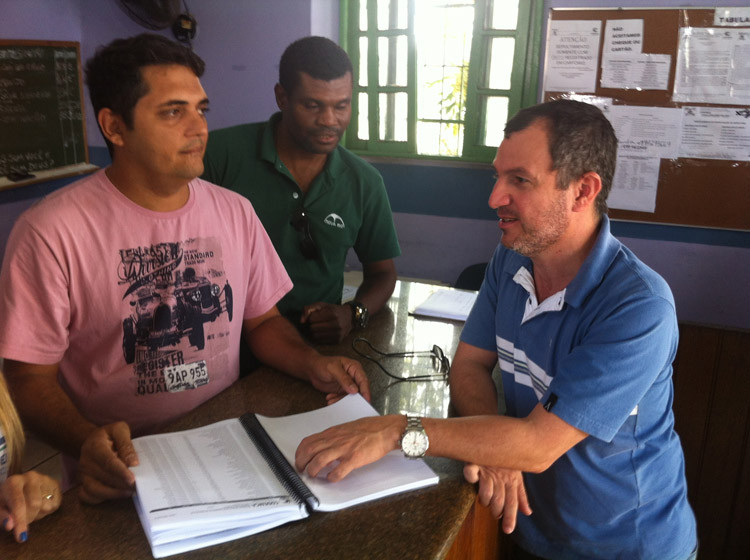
x: 439, y: 78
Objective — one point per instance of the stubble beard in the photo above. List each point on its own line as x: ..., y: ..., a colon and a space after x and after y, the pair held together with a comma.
x: 535, y: 240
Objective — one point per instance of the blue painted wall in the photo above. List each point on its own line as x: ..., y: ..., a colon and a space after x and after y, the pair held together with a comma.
x: 440, y: 209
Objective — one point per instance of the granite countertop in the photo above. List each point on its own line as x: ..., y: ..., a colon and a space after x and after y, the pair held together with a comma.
x: 417, y: 524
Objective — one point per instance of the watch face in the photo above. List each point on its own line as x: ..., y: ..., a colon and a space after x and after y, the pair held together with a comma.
x: 363, y: 317
x: 414, y: 443
x: 359, y: 315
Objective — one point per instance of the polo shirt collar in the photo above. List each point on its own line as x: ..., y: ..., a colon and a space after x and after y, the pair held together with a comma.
x: 334, y: 165
x: 594, y: 267
x: 589, y: 276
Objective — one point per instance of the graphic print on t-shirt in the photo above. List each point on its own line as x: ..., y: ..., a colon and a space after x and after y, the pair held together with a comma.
x: 174, y: 292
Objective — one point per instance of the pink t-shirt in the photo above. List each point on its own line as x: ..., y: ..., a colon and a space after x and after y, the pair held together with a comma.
x: 143, y: 310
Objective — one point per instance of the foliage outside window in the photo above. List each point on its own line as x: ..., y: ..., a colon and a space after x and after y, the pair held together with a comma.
x: 439, y: 78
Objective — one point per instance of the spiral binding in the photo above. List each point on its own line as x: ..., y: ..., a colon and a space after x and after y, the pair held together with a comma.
x: 278, y: 463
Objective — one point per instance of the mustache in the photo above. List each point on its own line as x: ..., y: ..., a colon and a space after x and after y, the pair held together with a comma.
x: 325, y: 130
x: 506, y: 212
x: 193, y: 145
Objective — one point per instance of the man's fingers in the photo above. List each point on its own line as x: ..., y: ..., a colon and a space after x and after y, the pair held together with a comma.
x: 344, y: 373
x: 315, y: 461
x: 486, y: 491
x: 471, y: 473
x: 107, y: 467
x: 523, y: 501
x: 92, y: 491
x: 355, y: 371
x: 508, y: 509
x: 308, y: 310
x: 124, y: 444
x: 105, y: 457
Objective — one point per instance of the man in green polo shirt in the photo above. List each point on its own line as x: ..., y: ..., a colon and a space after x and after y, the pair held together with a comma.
x: 315, y: 198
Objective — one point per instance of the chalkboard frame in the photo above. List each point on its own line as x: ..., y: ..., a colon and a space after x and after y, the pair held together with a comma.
x: 691, y: 191
x: 80, y: 157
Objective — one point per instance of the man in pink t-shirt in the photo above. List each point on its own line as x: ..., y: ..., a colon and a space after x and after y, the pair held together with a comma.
x: 123, y: 297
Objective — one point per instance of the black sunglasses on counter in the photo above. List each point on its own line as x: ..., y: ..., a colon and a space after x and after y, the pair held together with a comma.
x: 301, y: 224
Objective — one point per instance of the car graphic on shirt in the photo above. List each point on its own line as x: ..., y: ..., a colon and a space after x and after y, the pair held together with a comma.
x: 162, y: 315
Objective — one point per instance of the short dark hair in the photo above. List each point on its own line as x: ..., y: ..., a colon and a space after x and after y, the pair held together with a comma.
x: 114, y: 77
x: 581, y: 139
x: 318, y: 57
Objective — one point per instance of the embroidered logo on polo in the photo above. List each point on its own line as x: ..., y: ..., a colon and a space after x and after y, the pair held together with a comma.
x: 334, y: 220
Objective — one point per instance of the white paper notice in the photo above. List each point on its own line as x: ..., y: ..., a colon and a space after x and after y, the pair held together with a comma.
x: 624, y: 66
x: 572, y: 56
x: 716, y: 133
x: 603, y: 103
x: 713, y: 66
x: 646, y: 131
x: 640, y: 72
x: 622, y: 37
x: 733, y: 17
x: 634, y: 184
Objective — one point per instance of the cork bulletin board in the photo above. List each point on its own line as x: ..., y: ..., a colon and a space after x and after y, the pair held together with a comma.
x: 691, y: 191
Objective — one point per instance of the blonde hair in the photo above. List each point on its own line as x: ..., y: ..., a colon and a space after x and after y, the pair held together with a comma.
x: 11, y: 425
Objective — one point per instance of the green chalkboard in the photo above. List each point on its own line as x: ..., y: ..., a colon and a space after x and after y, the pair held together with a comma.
x: 42, y: 124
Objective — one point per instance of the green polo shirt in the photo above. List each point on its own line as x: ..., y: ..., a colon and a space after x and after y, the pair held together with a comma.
x: 346, y: 204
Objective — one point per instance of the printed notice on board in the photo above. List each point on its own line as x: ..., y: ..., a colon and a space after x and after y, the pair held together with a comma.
x: 732, y: 17
x: 645, y: 135
x: 634, y: 183
x: 604, y: 104
x: 572, y: 56
x: 646, y: 131
x: 624, y: 66
x: 713, y: 66
x: 622, y: 37
x: 716, y: 133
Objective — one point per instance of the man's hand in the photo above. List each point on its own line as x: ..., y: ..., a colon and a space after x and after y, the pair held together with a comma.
x: 25, y: 498
x: 339, y: 376
x: 501, y: 490
x: 328, y: 323
x: 106, y: 455
x: 348, y: 446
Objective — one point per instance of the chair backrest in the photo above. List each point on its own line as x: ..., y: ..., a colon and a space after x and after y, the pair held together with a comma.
x: 471, y: 277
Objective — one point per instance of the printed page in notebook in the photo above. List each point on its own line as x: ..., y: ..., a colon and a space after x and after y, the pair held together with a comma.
x: 392, y: 474
x: 206, y: 486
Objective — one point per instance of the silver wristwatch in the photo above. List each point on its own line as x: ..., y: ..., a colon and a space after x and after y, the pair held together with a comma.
x: 414, y: 441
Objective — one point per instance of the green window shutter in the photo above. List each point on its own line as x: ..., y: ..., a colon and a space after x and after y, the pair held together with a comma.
x: 383, y: 48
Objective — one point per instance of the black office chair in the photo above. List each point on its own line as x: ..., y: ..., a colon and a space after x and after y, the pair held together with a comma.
x: 471, y: 277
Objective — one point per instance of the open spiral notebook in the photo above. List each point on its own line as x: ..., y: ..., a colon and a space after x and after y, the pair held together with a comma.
x: 235, y: 478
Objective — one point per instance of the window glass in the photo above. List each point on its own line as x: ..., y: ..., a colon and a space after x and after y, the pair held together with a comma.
x: 440, y: 139
x: 443, y: 35
x: 448, y: 73
x: 501, y: 62
x: 495, y: 117
x: 503, y: 14
x: 362, y: 79
x: 392, y: 14
x: 363, y: 126
x: 392, y: 61
x: 393, y: 108
x: 363, y: 16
